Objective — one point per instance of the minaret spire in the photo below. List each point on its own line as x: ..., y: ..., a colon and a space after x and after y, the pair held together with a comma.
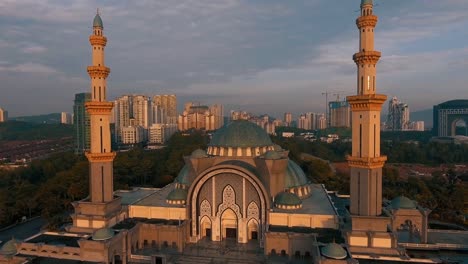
x: 365, y: 161
x: 101, y: 208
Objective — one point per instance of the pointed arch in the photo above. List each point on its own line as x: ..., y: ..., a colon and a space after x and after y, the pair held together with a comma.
x: 253, y: 211
x: 205, y: 208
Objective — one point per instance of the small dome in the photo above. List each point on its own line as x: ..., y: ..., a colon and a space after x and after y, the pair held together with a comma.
x: 182, y: 177
x: 277, y: 147
x: 288, y: 199
x: 272, y: 155
x: 334, y: 251
x: 97, y: 22
x: 241, y: 133
x: 366, y: 2
x: 294, y: 175
x: 103, y: 234
x: 177, y: 195
x: 198, y: 154
x: 9, y: 248
x: 402, y: 202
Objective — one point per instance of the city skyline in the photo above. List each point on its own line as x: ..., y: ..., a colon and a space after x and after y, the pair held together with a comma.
x: 277, y: 55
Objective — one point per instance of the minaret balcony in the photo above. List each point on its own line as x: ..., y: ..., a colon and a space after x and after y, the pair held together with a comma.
x: 99, y: 108
x: 98, y: 71
x: 366, y: 162
x: 367, y: 57
x: 366, y: 102
x: 100, y: 157
x: 97, y: 40
x: 366, y: 21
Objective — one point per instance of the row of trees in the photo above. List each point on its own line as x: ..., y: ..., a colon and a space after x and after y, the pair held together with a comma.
x: 48, y: 186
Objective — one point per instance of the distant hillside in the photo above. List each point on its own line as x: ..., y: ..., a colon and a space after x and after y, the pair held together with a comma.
x: 16, y: 130
x: 53, y: 118
x: 423, y: 115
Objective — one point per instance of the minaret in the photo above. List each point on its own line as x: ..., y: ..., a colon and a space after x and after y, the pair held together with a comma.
x: 101, y: 208
x: 365, y: 161
x: 100, y: 155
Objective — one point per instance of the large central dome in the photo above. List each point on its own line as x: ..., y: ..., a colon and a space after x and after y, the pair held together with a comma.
x: 241, y: 133
x: 240, y: 138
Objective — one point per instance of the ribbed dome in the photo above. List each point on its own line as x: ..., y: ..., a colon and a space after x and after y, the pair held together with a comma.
x: 177, y: 195
x: 334, y: 251
x: 182, y: 177
x: 366, y: 2
x: 294, y: 175
x: 272, y: 155
x: 198, y: 154
x: 9, y: 248
x: 103, y: 234
x: 402, y: 202
x: 287, y: 198
x: 241, y: 133
x: 97, y: 22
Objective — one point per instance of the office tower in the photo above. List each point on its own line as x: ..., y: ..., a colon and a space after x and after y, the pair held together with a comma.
x: 81, y: 123
x: 398, y: 117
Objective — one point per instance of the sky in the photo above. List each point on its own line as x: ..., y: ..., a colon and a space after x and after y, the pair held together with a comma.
x: 261, y: 56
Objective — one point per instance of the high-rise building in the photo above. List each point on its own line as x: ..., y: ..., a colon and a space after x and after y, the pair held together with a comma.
x: 132, y: 110
x: 398, y: 117
x: 66, y: 118
x: 340, y: 114
x: 303, y: 122
x: 81, y: 123
x: 240, y: 115
x: 369, y: 227
x: 3, y: 115
x: 196, y: 116
x: 160, y: 133
x: 101, y: 209
x: 447, y: 115
x: 168, y: 104
x: 287, y: 119
x: 133, y: 134
x: 320, y: 121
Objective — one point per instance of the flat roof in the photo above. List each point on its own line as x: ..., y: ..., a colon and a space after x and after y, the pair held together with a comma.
x: 134, y: 195
x: 158, y: 198
x: 319, y: 203
x: 52, y: 239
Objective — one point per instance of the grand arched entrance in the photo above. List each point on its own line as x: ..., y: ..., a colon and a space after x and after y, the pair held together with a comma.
x: 227, y: 203
x: 459, y: 127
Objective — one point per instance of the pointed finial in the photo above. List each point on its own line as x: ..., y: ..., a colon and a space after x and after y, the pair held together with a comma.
x: 97, y: 11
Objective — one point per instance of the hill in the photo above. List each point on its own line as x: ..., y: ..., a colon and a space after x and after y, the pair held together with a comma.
x: 16, y: 130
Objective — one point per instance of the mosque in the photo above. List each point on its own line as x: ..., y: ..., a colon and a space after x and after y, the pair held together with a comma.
x: 241, y: 196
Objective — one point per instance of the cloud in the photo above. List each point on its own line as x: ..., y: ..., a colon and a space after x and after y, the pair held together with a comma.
x: 34, y: 49
x: 30, y: 67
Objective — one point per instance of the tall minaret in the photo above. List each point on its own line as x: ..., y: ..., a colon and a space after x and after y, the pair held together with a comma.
x: 100, y: 155
x: 101, y: 208
x: 365, y: 161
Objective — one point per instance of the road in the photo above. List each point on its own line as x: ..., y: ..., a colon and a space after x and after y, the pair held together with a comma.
x: 23, y: 230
